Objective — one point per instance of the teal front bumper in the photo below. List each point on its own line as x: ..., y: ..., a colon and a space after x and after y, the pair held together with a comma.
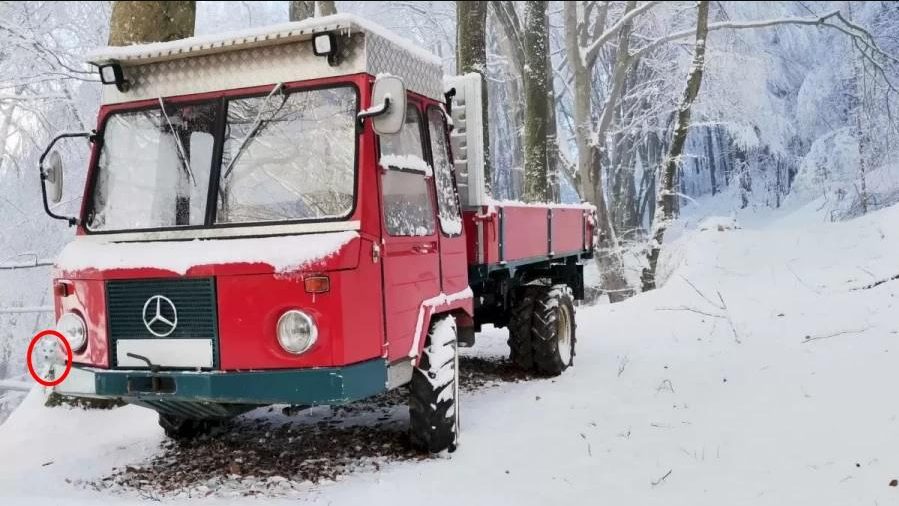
x: 326, y: 385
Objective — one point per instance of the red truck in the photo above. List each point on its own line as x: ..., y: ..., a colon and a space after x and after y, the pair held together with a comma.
x: 275, y: 217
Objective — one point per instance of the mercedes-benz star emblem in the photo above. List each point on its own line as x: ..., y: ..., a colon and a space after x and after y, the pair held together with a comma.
x: 160, y: 315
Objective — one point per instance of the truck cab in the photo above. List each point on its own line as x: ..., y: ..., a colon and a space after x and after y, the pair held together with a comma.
x: 274, y: 217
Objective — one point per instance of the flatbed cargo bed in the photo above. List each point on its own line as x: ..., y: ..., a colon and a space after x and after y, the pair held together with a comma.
x: 504, y: 235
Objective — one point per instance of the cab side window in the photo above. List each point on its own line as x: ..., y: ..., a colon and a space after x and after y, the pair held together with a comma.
x: 447, y: 203
x: 408, y: 210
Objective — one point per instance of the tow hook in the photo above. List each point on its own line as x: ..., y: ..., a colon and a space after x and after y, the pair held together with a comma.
x: 155, y: 383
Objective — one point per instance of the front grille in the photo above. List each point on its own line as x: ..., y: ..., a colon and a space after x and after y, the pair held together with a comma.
x: 193, y: 299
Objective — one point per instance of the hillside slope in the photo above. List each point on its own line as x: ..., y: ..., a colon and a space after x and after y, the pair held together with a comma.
x: 761, y: 373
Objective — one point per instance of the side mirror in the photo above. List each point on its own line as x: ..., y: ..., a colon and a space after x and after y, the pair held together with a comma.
x: 52, y: 174
x: 50, y: 167
x: 388, y: 98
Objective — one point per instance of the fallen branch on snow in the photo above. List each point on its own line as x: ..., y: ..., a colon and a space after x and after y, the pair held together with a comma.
x: 876, y: 283
x: 835, y: 334
x: 660, y: 480
x: 722, y: 307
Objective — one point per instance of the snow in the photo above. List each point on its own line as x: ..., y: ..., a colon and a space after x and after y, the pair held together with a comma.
x: 663, y: 406
x: 283, y: 253
x: 451, y: 225
x: 20, y: 386
x: 283, y: 31
x: 407, y: 162
x: 719, y: 223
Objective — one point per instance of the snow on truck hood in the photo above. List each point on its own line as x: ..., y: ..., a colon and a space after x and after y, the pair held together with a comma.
x: 283, y: 253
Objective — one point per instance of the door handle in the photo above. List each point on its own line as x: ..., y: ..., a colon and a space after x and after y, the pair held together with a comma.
x: 423, y: 249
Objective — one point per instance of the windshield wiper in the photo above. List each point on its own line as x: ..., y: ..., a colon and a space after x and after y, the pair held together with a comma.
x: 182, y: 156
x: 257, y: 126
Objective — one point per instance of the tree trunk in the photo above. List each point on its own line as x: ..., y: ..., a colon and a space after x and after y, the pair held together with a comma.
x: 575, y: 39
x: 141, y: 22
x: 710, y: 149
x: 553, y: 163
x: 666, y: 205
x: 326, y: 8
x: 471, y: 56
x: 300, y: 10
x: 857, y: 95
x: 536, y: 110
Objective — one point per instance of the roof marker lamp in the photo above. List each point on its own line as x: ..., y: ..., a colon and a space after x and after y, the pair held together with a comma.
x: 325, y: 44
x: 111, y: 73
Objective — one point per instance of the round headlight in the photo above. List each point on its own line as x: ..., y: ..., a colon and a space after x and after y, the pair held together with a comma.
x: 74, y: 329
x: 296, y: 332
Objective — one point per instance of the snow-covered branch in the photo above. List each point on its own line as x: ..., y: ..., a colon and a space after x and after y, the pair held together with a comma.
x: 589, y: 53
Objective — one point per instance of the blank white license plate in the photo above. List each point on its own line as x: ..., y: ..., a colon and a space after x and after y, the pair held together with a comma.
x: 188, y: 353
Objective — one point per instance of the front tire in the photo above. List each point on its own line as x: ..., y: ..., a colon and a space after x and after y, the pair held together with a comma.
x: 434, y: 390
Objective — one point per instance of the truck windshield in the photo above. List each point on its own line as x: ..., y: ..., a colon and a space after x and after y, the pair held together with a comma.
x: 284, y: 157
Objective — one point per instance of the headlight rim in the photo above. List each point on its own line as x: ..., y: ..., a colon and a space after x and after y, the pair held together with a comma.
x: 79, y: 346
x: 313, y: 339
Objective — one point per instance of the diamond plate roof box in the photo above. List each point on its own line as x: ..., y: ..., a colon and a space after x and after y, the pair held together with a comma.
x: 266, y: 55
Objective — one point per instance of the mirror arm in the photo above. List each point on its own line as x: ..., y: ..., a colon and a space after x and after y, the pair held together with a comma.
x: 372, y: 112
x: 71, y: 221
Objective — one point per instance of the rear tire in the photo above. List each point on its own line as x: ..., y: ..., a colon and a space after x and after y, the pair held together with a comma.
x: 434, y: 391
x: 520, y: 348
x: 553, y: 330
x: 184, y: 429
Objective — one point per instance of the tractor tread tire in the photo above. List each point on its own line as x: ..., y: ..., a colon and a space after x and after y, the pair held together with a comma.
x: 520, y: 348
x: 545, y: 329
x: 433, y: 406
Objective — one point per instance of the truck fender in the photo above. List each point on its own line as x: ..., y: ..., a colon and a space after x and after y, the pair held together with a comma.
x: 461, y: 303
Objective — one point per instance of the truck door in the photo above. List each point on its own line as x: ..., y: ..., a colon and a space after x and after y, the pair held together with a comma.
x: 453, y: 254
x: 410, y: 264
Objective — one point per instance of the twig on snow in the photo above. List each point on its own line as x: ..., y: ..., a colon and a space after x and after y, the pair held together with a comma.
x: 733, y: 328
x: 663, y: 478
x: 665, y: 385
x: 876, y: 283
x: 622, y: 364
x: 697, y: 290
x: 690, y: 309
x: 835, y: 334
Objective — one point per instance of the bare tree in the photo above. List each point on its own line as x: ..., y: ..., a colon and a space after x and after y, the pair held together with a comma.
x: 590, y: 142
x: 138, y: 22
x: 666, y: 205
x: 471, y: 56
x: 326, y: 7
x: 301, y: 9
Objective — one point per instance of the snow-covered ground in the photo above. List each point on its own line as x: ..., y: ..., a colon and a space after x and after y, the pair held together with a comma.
x: 761, y: 373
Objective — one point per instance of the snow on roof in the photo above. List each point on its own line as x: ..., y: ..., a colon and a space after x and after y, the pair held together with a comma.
x: 254, y: 37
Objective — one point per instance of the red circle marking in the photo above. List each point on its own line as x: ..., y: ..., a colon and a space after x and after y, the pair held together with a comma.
x: 65, y: 344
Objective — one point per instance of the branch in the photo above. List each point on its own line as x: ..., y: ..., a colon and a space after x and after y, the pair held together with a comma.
x: 26, y: 265
x: 589, y: 53
x: 876, y: 283
x: 835, y: 334
x: 660, y: 480
x: 508, y: 18
x: 26, y: 309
